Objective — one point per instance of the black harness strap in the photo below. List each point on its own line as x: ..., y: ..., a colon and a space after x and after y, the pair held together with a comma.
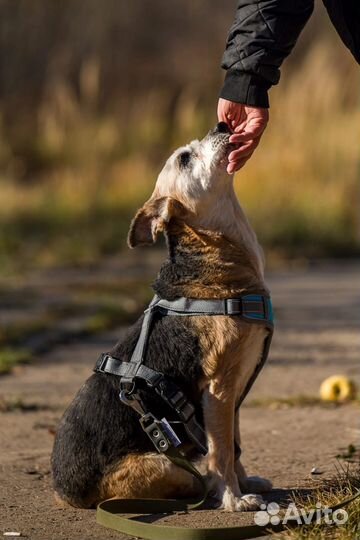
x: 254, y: 308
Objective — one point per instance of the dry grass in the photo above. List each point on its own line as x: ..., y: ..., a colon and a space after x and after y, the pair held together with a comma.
x: 301, y: 189
x: 82, y: 175
x: 330, y: 493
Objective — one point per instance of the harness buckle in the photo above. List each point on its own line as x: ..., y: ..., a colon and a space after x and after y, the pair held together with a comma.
x: 102, y: 362
x: 234, y: 306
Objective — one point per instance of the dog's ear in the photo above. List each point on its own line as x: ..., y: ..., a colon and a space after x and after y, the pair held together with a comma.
x: 152, y: 219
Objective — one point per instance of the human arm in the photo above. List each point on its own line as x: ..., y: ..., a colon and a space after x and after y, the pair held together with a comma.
x: 261, y: 37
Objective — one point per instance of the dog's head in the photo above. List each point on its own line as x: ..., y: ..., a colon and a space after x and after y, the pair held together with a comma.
x: 189, y: 187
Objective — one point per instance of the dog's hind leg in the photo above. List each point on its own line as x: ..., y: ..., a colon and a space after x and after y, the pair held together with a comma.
x: 150, y: 475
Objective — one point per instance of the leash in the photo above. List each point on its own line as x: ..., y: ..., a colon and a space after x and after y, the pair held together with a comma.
x: 109, y: 515
x: 118, y: 514
x: 135, y: 376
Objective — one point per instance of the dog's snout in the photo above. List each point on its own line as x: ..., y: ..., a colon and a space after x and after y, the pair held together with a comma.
x: 222, y: 127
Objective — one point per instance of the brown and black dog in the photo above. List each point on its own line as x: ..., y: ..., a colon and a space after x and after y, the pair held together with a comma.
x: 100, y: 450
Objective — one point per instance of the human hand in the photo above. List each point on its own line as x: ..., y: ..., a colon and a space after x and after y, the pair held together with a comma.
x: 248, y: 124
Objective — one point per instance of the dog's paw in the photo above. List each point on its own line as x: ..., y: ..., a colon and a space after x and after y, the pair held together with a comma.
x: 256, y: 484
x: 249, y: 502
x: 243, y: 503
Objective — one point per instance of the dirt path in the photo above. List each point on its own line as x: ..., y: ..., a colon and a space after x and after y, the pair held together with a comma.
x: 318, y: 316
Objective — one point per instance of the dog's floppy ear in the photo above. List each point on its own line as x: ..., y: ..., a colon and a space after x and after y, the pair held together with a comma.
x: 152, y: 218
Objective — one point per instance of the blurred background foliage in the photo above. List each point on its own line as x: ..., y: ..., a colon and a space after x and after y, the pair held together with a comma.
x: 95, y: 95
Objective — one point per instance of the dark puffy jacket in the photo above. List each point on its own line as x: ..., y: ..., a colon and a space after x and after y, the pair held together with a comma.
x: 264, y: 33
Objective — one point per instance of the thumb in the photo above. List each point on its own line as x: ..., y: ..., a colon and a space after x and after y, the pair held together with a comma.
x: 221, y: 114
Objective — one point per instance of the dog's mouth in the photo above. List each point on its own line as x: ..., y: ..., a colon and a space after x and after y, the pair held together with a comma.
x: 222, y: 148
x: 221, y: 145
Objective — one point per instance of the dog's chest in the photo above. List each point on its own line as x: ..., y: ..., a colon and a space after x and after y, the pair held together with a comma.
x: 195, y: 350
x: 230, y: 351
x: 250, y: 355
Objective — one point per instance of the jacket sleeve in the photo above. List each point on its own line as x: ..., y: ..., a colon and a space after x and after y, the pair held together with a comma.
x: 345, y: 16
x: 261, y: 37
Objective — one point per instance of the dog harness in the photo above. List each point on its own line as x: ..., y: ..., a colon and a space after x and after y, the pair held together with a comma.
x: 135, y: 376
x: 118, y: 514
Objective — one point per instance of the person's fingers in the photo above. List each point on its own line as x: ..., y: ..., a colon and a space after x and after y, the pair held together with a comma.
x: 230, y: 112
x: 250, y: 131
x: 237, y: 155
x: 242, y: 162
x: 231, y: 168
x: 246, y: 134
x: 239, y: 124
x: 253, y: 125
x: 223, y: 109
x: 244, y: 150
x: 235, y: 166
x: 244, y: 137
x: 221, y: 114
x: 233, y: 117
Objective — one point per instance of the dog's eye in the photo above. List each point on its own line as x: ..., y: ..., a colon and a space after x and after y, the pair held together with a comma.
x: 184, y: 159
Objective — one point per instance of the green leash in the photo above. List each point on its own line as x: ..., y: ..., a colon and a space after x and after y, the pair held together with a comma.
x: 109, y: 515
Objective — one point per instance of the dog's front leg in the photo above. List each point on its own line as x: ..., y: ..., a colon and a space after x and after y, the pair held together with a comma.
x: 219, y: 424
x: 248, y: 484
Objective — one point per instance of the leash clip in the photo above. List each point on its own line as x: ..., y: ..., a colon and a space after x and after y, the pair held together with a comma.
x: 159, y: 432
x: 132, y: 402
x: 154, y: 429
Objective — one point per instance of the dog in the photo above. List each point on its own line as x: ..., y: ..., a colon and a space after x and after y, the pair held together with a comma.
x: 100, y: 450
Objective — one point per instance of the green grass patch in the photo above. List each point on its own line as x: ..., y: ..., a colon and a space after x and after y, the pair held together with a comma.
x: 10, y: 357
x: 351, y: 453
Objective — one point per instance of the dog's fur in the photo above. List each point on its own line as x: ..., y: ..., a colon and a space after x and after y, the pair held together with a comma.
x: 100, y: 450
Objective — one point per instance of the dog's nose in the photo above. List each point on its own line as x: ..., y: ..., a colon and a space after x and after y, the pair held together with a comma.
x: 222, y: 127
